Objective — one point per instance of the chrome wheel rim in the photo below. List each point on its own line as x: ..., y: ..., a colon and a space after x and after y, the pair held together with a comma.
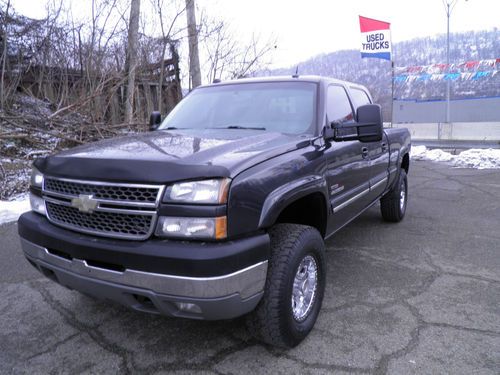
x: 305, y: 285
x: 402, y: 197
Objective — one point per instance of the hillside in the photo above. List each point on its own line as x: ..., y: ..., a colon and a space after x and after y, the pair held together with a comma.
x: 416, y: 53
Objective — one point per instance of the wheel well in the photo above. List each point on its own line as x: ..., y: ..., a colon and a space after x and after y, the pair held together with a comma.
x: 405, y: 164
x: 309, y: 210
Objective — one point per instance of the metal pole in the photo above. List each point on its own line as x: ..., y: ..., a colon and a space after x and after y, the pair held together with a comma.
x: 392, y: 93
x: 448, y: 64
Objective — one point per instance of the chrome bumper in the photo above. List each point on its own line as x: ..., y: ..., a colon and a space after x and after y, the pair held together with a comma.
x: 246, y: 282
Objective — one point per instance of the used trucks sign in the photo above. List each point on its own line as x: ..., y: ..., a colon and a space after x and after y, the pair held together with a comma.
x: 375, y: 38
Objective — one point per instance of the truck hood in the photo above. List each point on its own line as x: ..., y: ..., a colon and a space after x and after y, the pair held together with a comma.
x: 165, y: 156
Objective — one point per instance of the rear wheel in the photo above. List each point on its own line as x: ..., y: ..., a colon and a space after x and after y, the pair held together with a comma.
x: 393, y: 204
x: 294, y: 287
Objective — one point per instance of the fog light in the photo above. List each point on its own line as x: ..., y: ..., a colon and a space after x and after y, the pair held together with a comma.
x: 189, y: 307
x: 37, y: 204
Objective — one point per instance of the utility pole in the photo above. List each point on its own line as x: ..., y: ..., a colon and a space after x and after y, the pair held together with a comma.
x: 448, y: 5
x: 194, y: 59
x: 131, y: 59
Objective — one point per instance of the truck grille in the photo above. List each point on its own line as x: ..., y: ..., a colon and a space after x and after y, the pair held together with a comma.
x: 109, y: 192
x: 104, y: 223
x: 125, y: 211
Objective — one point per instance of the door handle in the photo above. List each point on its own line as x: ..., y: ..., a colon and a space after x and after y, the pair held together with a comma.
x: 364, y: 152
x: 384, y: 147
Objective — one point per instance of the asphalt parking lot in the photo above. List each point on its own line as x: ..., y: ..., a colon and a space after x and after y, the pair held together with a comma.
x: 418, y: 297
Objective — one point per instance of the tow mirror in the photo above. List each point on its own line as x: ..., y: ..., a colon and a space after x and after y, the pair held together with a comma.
x: 329, y: 132
x: 368, y: 128
x: 154, y: 120
x: 370, y: 124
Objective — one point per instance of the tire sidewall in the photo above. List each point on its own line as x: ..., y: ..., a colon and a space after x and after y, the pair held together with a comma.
x: 403, y: 180
x: 308, y: 245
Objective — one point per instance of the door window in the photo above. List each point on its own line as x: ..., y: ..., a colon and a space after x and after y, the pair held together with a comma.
x: 360, y: 97
x: 338, y: 107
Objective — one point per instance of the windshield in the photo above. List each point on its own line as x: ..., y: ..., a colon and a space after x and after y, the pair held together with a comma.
x: 286, y: 107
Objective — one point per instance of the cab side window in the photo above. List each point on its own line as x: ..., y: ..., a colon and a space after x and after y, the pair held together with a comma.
x: 338, y: 107
x: 359, y: 96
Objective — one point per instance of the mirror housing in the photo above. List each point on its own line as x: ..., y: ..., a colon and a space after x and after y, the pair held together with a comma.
x: 368, y: 128
x: 329, y: 132
x: 154, y: 120
x: 370, y: 124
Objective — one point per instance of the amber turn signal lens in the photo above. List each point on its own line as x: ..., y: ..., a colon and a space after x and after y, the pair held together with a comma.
x: 220, y: 227
x: 224, y: 190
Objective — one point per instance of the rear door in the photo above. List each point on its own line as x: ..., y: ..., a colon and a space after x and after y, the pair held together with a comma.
x: 348, y: 171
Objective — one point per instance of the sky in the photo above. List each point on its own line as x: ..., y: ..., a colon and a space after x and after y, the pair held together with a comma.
x: 307, y: 28
x: 310, y: 27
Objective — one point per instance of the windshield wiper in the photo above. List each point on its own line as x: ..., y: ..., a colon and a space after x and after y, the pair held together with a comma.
x: 239, y: 127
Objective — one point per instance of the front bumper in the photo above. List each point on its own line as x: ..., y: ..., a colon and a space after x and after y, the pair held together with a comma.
x: 221, y: 296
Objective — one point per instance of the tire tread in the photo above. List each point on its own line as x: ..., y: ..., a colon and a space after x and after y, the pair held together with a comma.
x: 389, y: 203
x: 266, y: 322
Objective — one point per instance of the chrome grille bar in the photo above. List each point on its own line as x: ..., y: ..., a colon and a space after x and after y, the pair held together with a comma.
x: 126, y: 211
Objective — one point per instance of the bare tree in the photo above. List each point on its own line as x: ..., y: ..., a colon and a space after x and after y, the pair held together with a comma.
x: 106, y: 65
x: 4, y: 37
x: 254, y: 56
x: 131, y: 61
x: 166, y: 40
x: 194, y: 59
x: 228, y: 58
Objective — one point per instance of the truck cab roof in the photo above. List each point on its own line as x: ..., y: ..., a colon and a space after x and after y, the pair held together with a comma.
x: 294, y: 78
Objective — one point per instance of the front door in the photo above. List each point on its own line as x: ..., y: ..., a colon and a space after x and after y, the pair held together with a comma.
x: 348, y: 169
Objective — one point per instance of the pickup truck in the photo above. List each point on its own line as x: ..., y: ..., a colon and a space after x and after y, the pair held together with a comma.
x: 222, y: 209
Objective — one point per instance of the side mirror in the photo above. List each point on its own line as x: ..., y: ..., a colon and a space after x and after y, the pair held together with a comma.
x: 154, y: 120
x: 329, y: 132
x: 368, y: 128
x: 370, y: 123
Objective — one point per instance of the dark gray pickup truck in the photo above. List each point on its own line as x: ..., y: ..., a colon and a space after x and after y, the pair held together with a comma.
x: 222, y: 209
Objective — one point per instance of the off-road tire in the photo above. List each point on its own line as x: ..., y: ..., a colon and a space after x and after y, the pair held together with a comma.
x: 273, y: 321
x: 390, y: 206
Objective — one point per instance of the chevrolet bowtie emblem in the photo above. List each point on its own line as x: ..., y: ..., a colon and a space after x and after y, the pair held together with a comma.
x: 84, y: 203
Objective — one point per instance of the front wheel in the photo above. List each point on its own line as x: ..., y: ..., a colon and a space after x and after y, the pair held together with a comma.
x: 393, y: 204
x: 294, y: 287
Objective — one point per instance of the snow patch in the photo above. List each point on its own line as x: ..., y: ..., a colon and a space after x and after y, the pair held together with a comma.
x: 11, y: 210
x: 473, y: 158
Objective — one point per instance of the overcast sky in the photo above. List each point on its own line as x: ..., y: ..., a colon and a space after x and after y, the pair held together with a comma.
x: 305, y: 28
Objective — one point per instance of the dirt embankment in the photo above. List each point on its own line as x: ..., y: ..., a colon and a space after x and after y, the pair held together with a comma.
x: 32, y: 129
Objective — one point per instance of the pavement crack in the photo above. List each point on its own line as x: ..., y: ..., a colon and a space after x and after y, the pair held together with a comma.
x: 462, y: 328
x: 443, y: 272
x: 54, y: 346
x: 430, y: 262
x: 350, y: 305
x: 209, y: 363
x: 281, y: 353
x: 470, y: 276
x: 383, y: 364
x: 90, y: 330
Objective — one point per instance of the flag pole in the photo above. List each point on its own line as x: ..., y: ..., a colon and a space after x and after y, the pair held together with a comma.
x: 392, y: 83
x: 392, y: 92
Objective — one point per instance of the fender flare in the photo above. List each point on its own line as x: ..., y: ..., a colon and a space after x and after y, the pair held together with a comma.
x: 288, y: 193
x: 405, y: 149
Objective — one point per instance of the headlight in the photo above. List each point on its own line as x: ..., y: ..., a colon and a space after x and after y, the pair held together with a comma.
x: 192, y: 227
x: 205, y: 191
x: 37, y: 204
x: 36, y: 179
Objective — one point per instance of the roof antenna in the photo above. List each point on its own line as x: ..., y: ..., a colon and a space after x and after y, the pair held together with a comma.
x: 296, y: 75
